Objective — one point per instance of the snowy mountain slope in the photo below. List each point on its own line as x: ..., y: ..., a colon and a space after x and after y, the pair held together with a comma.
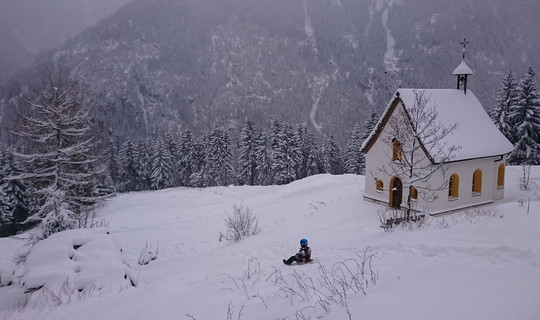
x: 461, y: 266
x: 163, y: 65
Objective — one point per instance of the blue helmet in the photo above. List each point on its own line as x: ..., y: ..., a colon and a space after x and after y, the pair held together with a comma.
x: 303, y: 242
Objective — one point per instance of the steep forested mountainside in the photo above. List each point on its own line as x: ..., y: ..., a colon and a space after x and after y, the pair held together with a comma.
x: 164, y: 65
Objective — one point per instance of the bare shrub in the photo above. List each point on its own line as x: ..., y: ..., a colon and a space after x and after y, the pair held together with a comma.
x: 331, y: 287
x: 191, y: 316
x: 388, y: 217
x: 442, y: 223
x: 240, y: 224
x: 148, y: 254
x: 522, y: 203
x: 470, y: 216
x: 314, y: 291
x: 474, y: 215
x: 391, y: 217
x: 45, y: 297
x: 525, y: 177
x: 230, y: 312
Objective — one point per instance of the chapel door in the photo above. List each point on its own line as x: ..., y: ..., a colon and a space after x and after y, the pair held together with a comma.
x: 396, y: 193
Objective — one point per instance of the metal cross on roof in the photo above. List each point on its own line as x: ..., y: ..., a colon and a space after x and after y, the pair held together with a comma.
x: 464, y: 42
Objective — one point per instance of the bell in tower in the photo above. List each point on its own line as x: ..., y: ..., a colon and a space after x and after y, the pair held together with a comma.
x: 462, y: 71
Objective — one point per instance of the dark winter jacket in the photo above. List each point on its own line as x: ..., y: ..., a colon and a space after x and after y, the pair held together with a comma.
x: 304, y: 254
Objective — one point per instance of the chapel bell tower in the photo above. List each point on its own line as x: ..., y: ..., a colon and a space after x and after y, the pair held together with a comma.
x: 462, y: 70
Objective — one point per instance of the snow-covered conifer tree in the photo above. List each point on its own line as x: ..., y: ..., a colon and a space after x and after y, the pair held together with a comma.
x: 247, y: 162
x: 526, y: 117
x: 315, y: 161
x: 172, y: 146
x: 261, y: 158
x: 186, y: 158
x: 354, y: 157
x: 275, y: 141
x: 369, y: 125
x: 501, y: 115
x: 293, y: 152
x: 14, y: 206
x: 199, y: 177
x: 218, y: 155
x: 285, y: 153
x: 5, y: 215
x: 308, y: 153
x: 161, y: 173
x: 128, y: 165
x: 58, y: 160
x: 143, y: 179
x: 333, y: 159
x: 111, y: 156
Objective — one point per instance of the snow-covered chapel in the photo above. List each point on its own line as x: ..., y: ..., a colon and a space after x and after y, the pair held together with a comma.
x: 438, y: 147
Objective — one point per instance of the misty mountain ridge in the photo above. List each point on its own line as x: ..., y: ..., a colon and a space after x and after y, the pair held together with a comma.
x: 165, y: 65
x: 29, y: 26
x: 47, y: 24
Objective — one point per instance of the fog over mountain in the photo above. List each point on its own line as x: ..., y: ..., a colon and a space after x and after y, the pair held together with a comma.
x: 28, y: 26
x: 160, y: 66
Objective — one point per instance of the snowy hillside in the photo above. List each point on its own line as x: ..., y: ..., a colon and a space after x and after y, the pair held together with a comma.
x: 482, y: 264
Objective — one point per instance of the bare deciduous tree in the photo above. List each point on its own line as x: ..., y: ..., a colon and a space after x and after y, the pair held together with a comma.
x: 418, y: 142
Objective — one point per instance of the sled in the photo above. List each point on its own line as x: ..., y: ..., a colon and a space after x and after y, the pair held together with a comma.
x: 301, y: 263
x: 306, y: 262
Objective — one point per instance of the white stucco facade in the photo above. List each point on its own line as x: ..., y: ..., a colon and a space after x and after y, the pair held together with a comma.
x: 482, y: 155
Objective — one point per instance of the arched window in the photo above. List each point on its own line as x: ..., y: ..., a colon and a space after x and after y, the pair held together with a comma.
x: 396, y: 150
x: 477, y: 181
x: 379, y: 185
x: 500, y: 176
x: 453, y: 187
x: 414, y: 194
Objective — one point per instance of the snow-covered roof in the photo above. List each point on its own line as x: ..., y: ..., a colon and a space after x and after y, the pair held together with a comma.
x: 475, y: 135
x: 463, y: 68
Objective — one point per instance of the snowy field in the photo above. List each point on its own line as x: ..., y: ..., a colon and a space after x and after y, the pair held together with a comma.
x: 480, y: 264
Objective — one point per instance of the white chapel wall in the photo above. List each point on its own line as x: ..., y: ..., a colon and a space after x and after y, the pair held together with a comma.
x: 380, y: 154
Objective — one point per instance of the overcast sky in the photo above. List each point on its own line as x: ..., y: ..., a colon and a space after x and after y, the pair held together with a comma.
x: 41, y: 24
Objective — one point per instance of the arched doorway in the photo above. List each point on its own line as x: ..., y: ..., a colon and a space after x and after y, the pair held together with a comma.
x: 396, y: 193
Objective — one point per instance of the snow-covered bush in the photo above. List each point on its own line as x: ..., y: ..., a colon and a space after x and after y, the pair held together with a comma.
x: 240, y: 224
x: 73, y: 264
x: 148, y: 254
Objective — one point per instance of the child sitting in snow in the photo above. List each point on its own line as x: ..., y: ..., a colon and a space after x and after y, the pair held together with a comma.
x: 303, y: 256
